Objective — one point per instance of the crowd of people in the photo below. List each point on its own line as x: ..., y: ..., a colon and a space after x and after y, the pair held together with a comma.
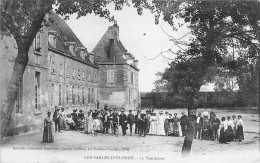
x: 109, y: 121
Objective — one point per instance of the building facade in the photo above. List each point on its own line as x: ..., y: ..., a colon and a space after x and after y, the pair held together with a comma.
x: 118, y: 71
x: 61, y: 72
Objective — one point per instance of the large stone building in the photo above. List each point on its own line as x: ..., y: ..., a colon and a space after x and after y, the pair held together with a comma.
x: 118, y: 71
x: 61, y: 72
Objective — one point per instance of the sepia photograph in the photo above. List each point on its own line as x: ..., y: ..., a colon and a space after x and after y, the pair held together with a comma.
x: 129, y: 81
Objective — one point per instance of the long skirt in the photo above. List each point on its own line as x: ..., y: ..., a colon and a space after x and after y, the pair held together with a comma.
x: 230, y: 134
x: 240, y: 133
x: 222, y: 136
x: 47, y: 134
x: 100, y: 125
x: 160, y: 128
x: 170, y: 127
x: 153, y: 128
x: 89, y: 126
x: 205, y: 134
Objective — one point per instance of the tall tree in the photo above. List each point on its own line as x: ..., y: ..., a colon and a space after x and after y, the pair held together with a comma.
x: 217, y: 27
x: 23, y: 19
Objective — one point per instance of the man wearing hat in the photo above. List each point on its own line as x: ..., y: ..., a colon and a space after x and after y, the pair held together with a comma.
x: 75, y: 118
x: 56, y: 118
x: 137, y: 122
x: 105, y: 120
x: 131, y: 120
x: 123, y: 121
x: 183, y: 123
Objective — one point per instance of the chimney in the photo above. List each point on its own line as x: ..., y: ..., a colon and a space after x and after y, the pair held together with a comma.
x: 136, y: 62
x: 115, y: 29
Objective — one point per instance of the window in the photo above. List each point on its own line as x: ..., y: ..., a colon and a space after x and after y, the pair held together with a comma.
x: 37, y: 90
x: 83, y: 95
x: 67, y: 94
x: 60, y: 92
x: 52, y: 64
x: 52, y: 94
x: 73, y: 95
x: 60, y: 70
x: 74, y: 73
x: 79, y: 74
x: 37, y: 42
x: 89, y: 77
x: 18, y: 100
x: 132, y: 78
x: 83, y: 75
x: 110, y: 76
x: 68, y: 71
x: 78, y: 95
x: 92, y: 95
x: 89, y: 94
x: 129, y: 96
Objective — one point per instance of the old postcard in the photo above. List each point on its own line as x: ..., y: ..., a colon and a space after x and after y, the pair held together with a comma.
x: 129, y: 81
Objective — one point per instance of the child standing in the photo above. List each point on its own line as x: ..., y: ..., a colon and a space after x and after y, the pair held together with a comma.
x: 96, y: 125
x: 166, y: 127
x: 240, y: 130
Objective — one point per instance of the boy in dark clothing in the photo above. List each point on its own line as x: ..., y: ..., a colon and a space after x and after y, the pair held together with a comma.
x: 131, y: 120
x: 123, y: 122
x: 183, y: 123
x: 56, y: 118
x: 143, y: 125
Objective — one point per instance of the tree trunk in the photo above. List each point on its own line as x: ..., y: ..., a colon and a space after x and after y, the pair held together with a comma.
x: 186, y: 147
x: 13, y: 87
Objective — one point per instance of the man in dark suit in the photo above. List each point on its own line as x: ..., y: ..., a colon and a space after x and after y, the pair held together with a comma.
x: 198, y: 126
x: 131, y: 120
x: 137, y: 120
x: 143, y: 125
x: 75, y: 118
x: 123, y: 122
x: 56, y: 118
x: 105, y: 120
x: 183, y: 123
x: 215, y: 122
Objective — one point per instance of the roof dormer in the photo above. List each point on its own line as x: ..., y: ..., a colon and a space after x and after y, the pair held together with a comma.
x: 82, y: 52
x: 52, y: 38
x: 72, y: 47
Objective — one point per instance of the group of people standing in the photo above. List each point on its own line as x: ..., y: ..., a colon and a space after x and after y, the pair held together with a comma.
x: 209, y: 127
x: 108, y: 120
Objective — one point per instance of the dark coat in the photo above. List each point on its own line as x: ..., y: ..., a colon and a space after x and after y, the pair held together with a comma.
x: 131, y: 118
x: 122, y: 118
x: 184, y: 120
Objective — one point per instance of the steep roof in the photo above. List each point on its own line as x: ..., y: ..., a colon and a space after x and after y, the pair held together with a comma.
x: 65, y: 34
x: 105, y: 51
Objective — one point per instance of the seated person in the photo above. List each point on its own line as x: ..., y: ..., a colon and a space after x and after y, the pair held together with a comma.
x: 70, y: 122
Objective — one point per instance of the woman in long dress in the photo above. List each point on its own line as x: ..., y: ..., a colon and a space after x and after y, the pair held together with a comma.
x: 47, y: 131
x: 160, y: 125
x: 89, y: 124
x: 170, y: 124
x: 223, y: 128
x: 229, y: 132
x: 100, y: 122
x: 240, y: 129
x: 234, y: 126
x: 153, y: 124
x: 176, y: 125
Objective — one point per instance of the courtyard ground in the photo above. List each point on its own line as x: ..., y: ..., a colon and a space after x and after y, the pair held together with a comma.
x: 72, y: 146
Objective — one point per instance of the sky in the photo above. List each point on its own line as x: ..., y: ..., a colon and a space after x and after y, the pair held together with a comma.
x: 139, y: 35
